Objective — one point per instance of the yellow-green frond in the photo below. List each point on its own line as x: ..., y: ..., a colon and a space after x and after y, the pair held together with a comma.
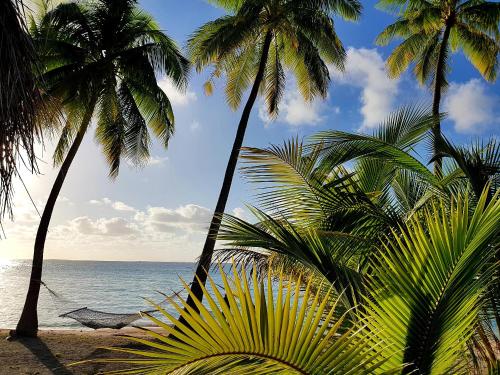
x: 270, y: 327
x: 428, y: 281
x: 481, y: 50
x: 406, y: 53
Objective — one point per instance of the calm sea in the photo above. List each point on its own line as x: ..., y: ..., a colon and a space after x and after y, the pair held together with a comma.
x: 117, y: 287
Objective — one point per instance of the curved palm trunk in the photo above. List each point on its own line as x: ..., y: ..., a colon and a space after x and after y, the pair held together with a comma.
x: 438, y: 84
x: 200, y: 277
x: 28, y: 323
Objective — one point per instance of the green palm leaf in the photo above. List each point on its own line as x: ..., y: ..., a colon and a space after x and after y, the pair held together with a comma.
x: 265, y: 329
x: 427, y: 285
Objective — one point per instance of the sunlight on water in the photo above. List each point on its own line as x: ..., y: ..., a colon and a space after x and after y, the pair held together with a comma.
x: 5, y: 263
x: 117, y: 287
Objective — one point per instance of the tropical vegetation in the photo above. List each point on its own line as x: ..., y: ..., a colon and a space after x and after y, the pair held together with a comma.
x: 100, y: 59
x: 359, y: 259
x: 22, y: 112
x: 401, y: 264
x: 433, y: 29
x: 252, y: 46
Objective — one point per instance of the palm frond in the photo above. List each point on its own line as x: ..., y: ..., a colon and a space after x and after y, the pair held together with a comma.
x: 274, y: 81
x: 255, y: 327
x: 428, y: 281
x: 480, y: 49
x: 479, y: 162
x: 21, y: 105
x: 335, y: 256
x: 111, y: 128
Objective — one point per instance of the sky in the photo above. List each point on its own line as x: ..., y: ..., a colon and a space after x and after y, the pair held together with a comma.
x: 161, y: 212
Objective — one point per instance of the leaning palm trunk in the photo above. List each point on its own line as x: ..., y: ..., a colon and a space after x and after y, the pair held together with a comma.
x: 28, y: 323
x: 438, y: 85
x: 208, y: 249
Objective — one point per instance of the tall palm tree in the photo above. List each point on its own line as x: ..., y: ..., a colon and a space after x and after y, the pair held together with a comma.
x: 433, y: 28
x: 253, y: 46
x: 19, y: 100
x: 100, y: 60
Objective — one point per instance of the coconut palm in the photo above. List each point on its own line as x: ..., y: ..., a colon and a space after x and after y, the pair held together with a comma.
x: 253, y: 46
x: 100, y: 59
x: 431, y: 29
x: 19, y: 100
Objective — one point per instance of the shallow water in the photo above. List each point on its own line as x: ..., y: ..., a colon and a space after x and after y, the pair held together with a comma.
x: 118, y: 287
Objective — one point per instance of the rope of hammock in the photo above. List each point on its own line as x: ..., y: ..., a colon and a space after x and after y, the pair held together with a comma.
x: 100, y: 319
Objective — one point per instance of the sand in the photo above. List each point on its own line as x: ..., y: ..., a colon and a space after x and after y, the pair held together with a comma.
x: 54, y: 350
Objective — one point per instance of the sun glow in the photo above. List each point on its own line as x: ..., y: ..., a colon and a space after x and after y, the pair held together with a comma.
x: 5, y: 263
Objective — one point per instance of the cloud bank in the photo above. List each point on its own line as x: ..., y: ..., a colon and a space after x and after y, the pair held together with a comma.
x: 365, y: 69
x: 470, y: 107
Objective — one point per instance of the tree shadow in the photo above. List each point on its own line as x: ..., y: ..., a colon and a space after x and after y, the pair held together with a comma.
x: 44, y: 355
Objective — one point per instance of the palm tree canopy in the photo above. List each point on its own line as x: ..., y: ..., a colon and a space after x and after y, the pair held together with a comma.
x: 20, y: 104
x: 303, y: 41
x: 473, y: 28
x: 108, y: 53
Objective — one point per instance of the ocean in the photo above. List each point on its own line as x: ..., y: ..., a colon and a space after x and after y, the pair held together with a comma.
x: 116, y: 287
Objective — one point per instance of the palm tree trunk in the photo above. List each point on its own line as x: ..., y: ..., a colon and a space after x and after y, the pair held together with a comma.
x: 438, y: 85
x: 200, y: 277
x: 28, y: 323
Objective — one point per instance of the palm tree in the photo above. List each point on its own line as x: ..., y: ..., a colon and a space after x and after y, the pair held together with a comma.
x: 433, y: 28
x: 19, y: 100
x: 100, y: 60
x: 253, y: 46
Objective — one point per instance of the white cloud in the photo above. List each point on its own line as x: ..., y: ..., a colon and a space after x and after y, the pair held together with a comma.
x: 365, y: 69
x: 298, y: 112
x: 177, y: 97
x: 295, y: 111
x: 241, y: 213
x: 120, y: 206
x: 154, y: 233
x: 190, y: 217
x: 152, y: 224
x: 195, y: 126
x: 101, y: 202
x: 470, y: 107
x: 115, y: 226
x: 157, y: 160
x: 64, y: 199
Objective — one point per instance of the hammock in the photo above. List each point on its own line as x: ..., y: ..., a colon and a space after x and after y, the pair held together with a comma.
x: 99, y: 319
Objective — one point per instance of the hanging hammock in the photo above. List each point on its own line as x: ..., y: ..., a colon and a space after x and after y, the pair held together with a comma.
x: 99, y: 319
x: 96, y: 319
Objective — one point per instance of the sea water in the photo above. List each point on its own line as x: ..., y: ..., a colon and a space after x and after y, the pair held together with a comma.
x: 116, y: 287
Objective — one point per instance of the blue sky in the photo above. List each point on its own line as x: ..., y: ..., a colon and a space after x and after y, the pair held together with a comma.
x: 161, y: 212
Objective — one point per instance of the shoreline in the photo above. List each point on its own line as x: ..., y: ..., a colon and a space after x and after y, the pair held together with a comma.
x: 54, y: 350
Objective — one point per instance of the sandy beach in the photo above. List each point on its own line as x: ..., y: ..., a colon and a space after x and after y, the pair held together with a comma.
x: 54, y: 350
